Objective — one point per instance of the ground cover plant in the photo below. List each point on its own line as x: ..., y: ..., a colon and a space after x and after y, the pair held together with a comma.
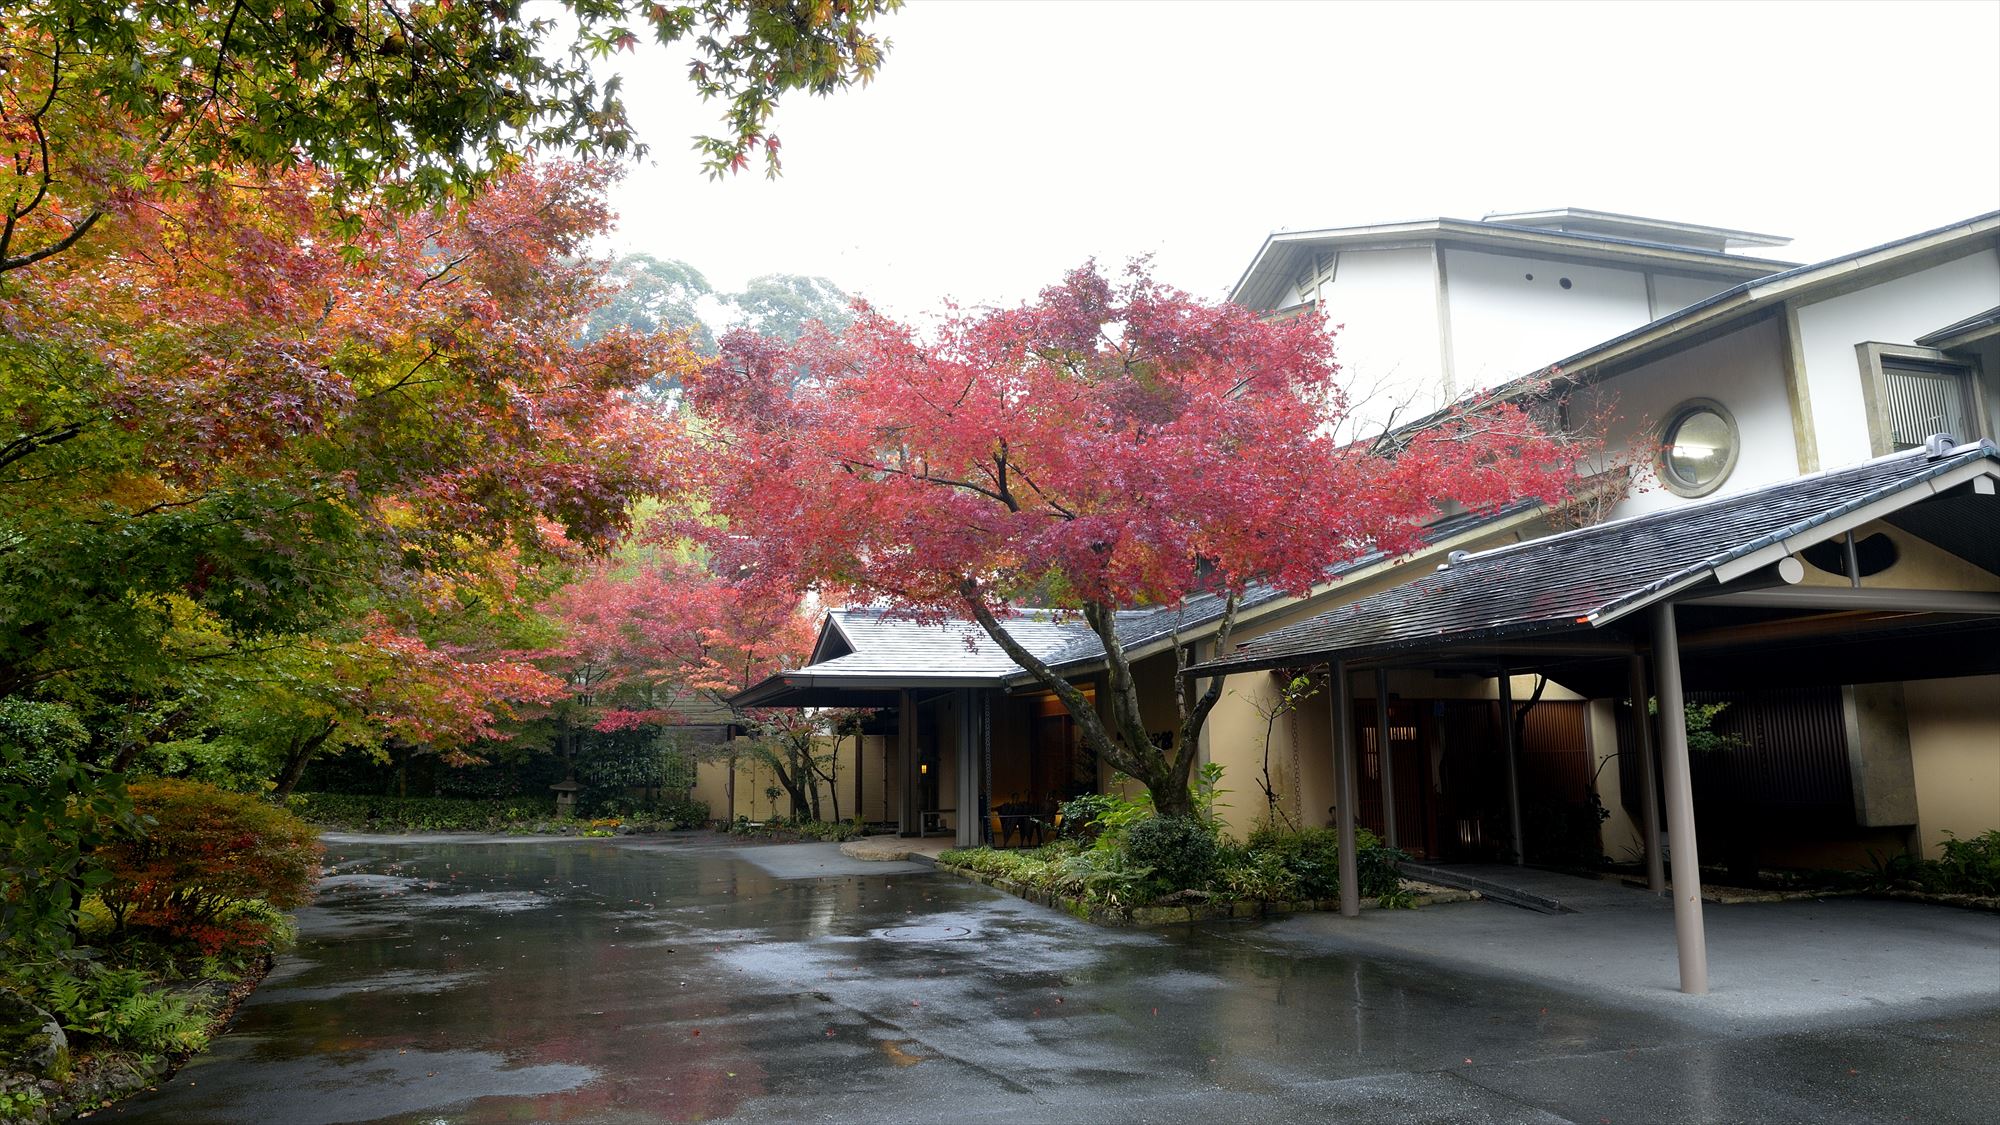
x: 1121, y: 854
x: 801, y: 829
x: 182, y: 910
x: 1969, y: 866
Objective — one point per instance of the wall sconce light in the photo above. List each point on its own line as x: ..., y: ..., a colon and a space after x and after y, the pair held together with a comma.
x: 923, y: 768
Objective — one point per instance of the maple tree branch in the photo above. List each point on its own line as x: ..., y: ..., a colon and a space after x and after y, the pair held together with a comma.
x: 1079, y: 706
x: 1211, y: 695
x: 1046, y: 498
x: 222, y: 52
x: 852, y: 464
x: 26, y: 445
x: 399, y: 384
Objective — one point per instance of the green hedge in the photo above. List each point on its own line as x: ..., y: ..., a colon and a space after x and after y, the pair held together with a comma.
x: 419, y: 814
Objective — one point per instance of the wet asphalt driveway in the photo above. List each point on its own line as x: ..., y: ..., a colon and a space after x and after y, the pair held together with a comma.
x: 692, y: 979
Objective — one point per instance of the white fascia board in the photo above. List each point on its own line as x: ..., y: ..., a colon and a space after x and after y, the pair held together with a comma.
x: 880, y: 681
x: 1799, y: 283
x: 1840, y: 525
x: 1765, y: 556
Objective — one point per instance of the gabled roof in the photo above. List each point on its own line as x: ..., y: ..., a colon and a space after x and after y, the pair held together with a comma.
x: 864, y: 655
x: 881, y: 650
x: 1974, y: 327
x: 1751, y: 296
x: 1143, y: 631
x: 1591, y: 577
x: 1666, y: 232
x: 1285, y: 253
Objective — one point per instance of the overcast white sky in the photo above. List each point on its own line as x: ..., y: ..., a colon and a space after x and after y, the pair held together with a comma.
x: 1005, y: 142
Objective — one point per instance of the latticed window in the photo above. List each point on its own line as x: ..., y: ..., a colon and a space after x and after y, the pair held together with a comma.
x: 1921, y: 399
x: 677, y: 768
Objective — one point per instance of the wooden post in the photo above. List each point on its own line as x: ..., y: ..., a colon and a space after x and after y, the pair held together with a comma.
x: 968, y: 769
x: 1513, y: 769
x: 860, y: 793
x: 1689, y: 936
x: 1343, y: 770
x: 909, y: 815
x: 1649, y: 787
x: 1386, y: 757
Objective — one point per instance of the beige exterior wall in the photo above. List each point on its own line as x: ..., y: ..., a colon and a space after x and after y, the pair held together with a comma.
x: 1301, y: 762
x: 1919, y: 566
x: 711, y: 785
x: 1955, y: 749
x: 1623, y: 835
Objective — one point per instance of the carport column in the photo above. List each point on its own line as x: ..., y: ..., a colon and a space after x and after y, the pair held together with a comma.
x: 909, y: 820
x: 1649, y: 784
x: 1513, y: 769
x: 1688, y: 934
x: 1343, y: 772
x: 969, y: 772
x: 860, y: 748
x: 1385, y: 757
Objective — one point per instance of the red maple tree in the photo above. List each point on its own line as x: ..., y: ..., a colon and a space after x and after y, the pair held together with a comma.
x: 1113, y: 444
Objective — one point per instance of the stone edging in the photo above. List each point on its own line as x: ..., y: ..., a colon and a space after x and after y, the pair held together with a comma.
x: 1425, y: 894
x: 111, y: 1076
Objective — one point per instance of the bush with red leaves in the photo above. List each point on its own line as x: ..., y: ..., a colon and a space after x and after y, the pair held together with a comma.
x: 201, y: 854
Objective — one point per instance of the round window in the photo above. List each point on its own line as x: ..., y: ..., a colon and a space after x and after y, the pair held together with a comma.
x: 1697, y: 448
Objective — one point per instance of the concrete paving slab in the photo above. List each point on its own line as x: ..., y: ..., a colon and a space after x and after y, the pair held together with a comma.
x: 1771, y: 964
x: 635, y: 982
x: 820, y: 861
x: 1552, y: 892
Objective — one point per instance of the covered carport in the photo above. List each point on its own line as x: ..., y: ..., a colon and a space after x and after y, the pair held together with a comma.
x: 1708, y: 593
x: 897, y: 702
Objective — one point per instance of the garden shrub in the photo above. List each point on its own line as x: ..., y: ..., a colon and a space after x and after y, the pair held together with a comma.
x: 1312, y: 855
x: 836, y: 831
x: 200, y: 851
x: 1180, y: 852
x: 1257, y: 876
x: 422, y: 814
x: 1967, y: 867
x: 53, y: 809
x: 1080, y: 816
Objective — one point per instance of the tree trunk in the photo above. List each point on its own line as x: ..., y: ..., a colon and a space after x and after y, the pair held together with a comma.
x: 1164, y: 772
x: 301, y: 753
x: 729, y: 791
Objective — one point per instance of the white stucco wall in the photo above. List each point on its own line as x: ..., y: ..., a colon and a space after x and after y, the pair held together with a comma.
x: 1743, y: 371
x: 1503, y: 324
x: 1672, y: 292
x: 1389, y: 346
x: 1893, y: 312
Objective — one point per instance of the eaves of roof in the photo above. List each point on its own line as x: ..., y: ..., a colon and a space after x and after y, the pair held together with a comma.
x: 1751, y: 295
x: 1575, y: 582
x: 1718, y: 310
x: 1974, y: 327
x: 1173, y: 628
x: 1499, y: 236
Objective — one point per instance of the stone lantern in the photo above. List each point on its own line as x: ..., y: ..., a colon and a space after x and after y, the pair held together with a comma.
x: 565, y: 791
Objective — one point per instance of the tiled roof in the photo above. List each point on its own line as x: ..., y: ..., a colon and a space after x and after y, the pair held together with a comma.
x: 1140, y: 627
x: 881, y: 649
x: 1596, y: 573
x: 886, y: 644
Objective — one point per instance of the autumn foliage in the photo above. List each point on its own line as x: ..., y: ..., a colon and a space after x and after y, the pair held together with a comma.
x: 653, y: 637
x: 1113, y: 444
x: 202, y: 852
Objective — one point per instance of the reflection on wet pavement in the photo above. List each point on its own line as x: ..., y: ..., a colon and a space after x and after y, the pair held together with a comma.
x: 691, y: 979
